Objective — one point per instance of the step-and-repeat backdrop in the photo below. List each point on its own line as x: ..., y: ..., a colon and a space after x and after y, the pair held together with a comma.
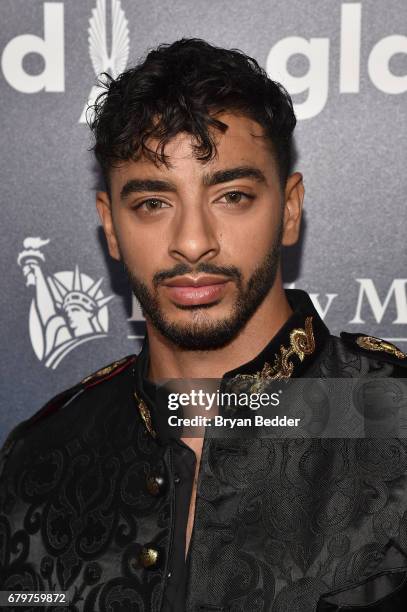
x: 345, y: 64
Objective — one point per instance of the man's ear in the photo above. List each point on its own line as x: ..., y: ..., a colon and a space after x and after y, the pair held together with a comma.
x: 294, y: 197
x: 104, y: 209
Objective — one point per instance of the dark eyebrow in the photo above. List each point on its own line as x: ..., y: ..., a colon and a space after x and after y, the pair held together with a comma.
x: 215, y: 178
x: 223, y: 176
x: 138, y: 185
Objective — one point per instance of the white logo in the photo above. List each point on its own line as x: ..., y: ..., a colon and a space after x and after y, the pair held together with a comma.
x: 319, y: 53
x: 370, y: 302
x: 50, y: 48
x: 68, y: 307
x: 315, y: 82
x: 115, y: 63
x: 377, y: 306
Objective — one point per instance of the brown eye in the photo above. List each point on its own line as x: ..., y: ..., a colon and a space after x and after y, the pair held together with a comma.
x: 233, y: 197
x: 152, y: 205
x: 236, y: 197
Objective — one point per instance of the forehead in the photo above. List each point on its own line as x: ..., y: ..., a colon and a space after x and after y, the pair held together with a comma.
x: 242, y: 143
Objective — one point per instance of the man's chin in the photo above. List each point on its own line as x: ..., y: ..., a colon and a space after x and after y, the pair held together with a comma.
x: 196, y: 334
x: 208, y: 326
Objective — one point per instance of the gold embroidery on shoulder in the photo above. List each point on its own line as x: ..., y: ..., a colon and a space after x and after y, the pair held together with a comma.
x: 302, y: 343
x: 104, y: 371
x: 146, y: 416
x: 371, y: 343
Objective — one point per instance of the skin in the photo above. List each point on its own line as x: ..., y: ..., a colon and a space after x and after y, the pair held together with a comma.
x: 198, y: 223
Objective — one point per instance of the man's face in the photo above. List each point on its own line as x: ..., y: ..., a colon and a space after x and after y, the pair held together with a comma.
x: 200, y: 241
x: 78, y: 318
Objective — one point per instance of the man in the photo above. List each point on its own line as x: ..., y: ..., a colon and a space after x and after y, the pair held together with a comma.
x: 98, y: 499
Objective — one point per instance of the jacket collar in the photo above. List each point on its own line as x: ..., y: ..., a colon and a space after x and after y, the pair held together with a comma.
x: 288, y: 354
x: 295, y: 346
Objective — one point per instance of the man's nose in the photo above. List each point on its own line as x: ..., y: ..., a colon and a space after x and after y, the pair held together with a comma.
x: 194, y: 236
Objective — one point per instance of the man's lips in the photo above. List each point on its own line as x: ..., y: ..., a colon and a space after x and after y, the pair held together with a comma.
x: 192, y: 291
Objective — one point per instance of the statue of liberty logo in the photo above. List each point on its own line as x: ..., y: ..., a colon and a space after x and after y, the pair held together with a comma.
x: 68, y: 308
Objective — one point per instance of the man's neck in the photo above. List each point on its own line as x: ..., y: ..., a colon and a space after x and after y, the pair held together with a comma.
x: 169, y: 361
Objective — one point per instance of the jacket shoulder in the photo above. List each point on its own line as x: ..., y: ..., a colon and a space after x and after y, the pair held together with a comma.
x: 100, y: 376
x: 376, y: 348
x: 62, y: 400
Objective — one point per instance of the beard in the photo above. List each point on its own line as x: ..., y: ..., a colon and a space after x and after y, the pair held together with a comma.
x: 202, y: 333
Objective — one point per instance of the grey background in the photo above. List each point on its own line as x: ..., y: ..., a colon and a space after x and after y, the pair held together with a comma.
x: 352, y: 155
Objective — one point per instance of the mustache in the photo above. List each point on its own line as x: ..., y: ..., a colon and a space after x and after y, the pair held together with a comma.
x: 208, y: 268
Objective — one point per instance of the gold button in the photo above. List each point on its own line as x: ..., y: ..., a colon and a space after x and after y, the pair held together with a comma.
x: 154, y: 484
x: 148, y: 557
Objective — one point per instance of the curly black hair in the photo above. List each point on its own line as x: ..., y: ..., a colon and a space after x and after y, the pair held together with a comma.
x: 181, y: 87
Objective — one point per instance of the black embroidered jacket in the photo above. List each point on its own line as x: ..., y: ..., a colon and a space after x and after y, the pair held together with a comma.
x: 88, y: 501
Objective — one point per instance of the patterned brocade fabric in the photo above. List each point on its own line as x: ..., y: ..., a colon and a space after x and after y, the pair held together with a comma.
x: 89, y: 502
